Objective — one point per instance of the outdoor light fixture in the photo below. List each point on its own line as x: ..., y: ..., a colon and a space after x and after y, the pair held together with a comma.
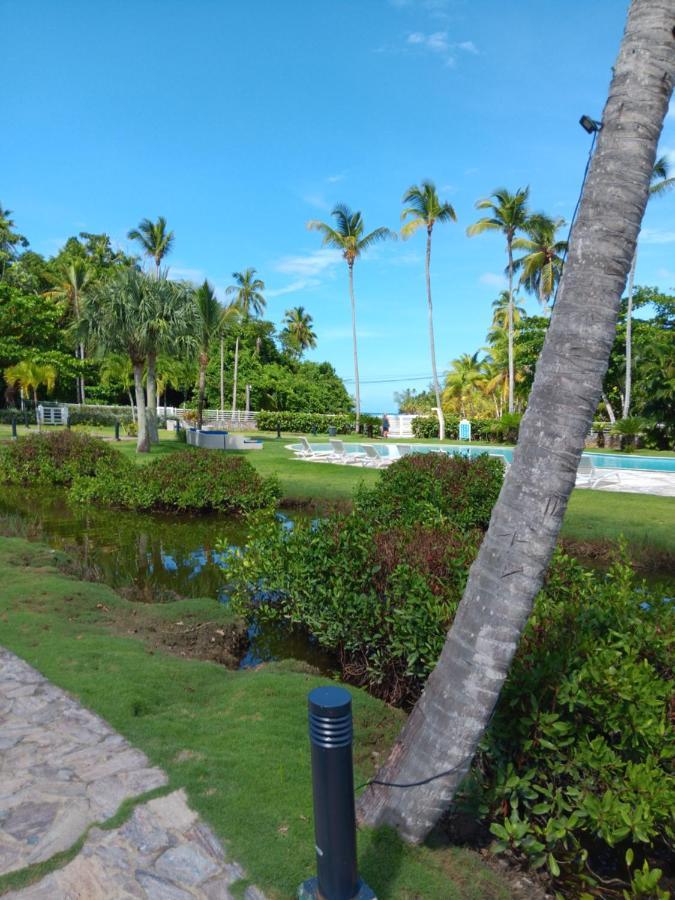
x: 590, y: 125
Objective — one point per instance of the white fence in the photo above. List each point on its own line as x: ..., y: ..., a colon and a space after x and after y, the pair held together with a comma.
x: 221, y: 418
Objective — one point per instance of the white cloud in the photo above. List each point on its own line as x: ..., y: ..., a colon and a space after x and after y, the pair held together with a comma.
x: 417, y: 37
x: 438, y: 41
x: 310, y: 265
x: 317, y: 200
x: 492, y: 279
x: 185, y: 274
x: 467, y: 46
x: 333, y: 179
x: 656, y: 236
x: 301, y: 284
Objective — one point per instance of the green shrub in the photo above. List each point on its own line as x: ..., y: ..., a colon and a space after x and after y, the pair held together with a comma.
x: 304, y: 423
x: 56, y: 457
x: 192, y: 480
x: 425, y: 427
x: 7, y: 415
x: 99, y: 417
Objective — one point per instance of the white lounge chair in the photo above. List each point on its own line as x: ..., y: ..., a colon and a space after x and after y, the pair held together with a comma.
x: 308, y: 452
x: 590, y: 476
x: 374, y: 459
x: 404, y: 449
x: 340, y: 453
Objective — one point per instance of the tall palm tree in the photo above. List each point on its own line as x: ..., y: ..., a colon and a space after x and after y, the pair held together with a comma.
x: 425, y: 209
x: 660, y: 184
x: 10, y: 240
x: 155, y: 240
x: 348, y: 237
x: 30, y: 376
x: 298, y: 329
x: 464, y: 378
x: 248, y: 301
x: 433, y: 753
x: 71, y: 284
x: 509, y: 214
x: 500, y: 313
x: 542, y: 264
x: 209, y: 324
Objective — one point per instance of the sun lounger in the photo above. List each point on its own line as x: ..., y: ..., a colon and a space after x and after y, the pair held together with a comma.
x: 340, y: 453
x: 590, y: 476
x: 374, y: 459
x: 308, y: 452
x: 404, y: 449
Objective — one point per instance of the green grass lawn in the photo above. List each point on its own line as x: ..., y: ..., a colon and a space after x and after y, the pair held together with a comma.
x: 235, y: 740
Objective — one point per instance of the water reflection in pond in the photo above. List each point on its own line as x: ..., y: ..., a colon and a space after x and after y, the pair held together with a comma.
x: 159, y: 556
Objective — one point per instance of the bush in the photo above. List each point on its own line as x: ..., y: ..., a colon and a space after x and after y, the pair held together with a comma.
x: 305, y: 422
x: 56, y: 457
x: 91, y: 415
x: 425, y: 427
x: 195, y: 480
x: 6, y: 416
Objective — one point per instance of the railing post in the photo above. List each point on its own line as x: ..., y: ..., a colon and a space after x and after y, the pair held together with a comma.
x: 330, y: 736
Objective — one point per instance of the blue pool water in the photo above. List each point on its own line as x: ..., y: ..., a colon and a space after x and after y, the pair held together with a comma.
x: 600, y: 460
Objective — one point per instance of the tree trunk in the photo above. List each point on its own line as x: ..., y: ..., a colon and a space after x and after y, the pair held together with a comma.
x: 509, y: 243
x: 357, y: 389
x: 432, y: 343
x: 222, y: 373
x: 203, y: 362
x: 608, y: 407
x: 151, y: 409
x: 440, y: 737
x: 143, y: 441
x: 629, y: 340
x: 234, y: 385
x: 133, y: 409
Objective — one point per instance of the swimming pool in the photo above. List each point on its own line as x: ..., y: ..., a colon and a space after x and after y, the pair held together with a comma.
x: 601, y: 460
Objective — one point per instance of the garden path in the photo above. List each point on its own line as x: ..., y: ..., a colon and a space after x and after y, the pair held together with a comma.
x: 63, y: 771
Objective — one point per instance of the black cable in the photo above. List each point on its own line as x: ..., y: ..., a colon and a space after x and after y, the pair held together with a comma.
x: 412, y: 784
x: 574, y: 216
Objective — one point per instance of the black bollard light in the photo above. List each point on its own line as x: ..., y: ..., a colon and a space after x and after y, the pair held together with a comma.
x: 278, y: 431
x: 330, y: 737
x: 117, y: 429
x: 14, y: 428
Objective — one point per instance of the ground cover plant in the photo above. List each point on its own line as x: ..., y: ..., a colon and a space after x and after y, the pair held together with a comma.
x: 235, y: 740
x: 574, y: 770
x: 54, y: 458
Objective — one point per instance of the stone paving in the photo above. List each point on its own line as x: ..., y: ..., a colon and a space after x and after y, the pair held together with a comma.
x: 62, y: 770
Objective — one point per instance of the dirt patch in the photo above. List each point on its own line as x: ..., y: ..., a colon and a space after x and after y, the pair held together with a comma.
x: 646, y: 559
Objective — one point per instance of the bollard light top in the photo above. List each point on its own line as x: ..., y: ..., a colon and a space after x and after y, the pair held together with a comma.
x: 329, y: 701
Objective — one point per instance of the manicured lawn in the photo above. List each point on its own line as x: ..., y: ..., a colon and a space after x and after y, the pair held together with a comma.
x: 235, y: 740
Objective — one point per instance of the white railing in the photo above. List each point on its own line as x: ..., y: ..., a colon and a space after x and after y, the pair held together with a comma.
x: 219, y: 418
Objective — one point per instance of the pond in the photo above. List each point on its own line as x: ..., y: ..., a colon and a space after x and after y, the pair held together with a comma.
x: 158, y: 556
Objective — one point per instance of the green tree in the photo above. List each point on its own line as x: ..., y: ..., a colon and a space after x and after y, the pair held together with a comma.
x: 424, y: 209
x: 298, y: 333
x: 348, y: 237
x: 464, y: 379
x: 542, y: 264
x: 30, y: 376
x: 509, y: 215
x: 10, y: 241
x: 249, y: 301
x: 155, y: 240
x: 71, y: 283
x: 209, y: 326
x: 433, y: 753
x: 116, y: 370
x: 661, y: 183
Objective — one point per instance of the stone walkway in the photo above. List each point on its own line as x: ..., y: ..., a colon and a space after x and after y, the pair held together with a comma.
x: 62, y: 770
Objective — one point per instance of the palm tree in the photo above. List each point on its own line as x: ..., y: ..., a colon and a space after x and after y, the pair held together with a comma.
x: 298, y: 331
x: 248, y: 301
x: 433, y: 753
x: 31, y: 375
x: 349, y: 239
x: 509, y: 214
x: 542, y: 264
x: 117, y: 369
x: 464, y: 378
x: 660, y: 184
x: 209, y: 324
x: 154, y: 240
x: 10, y: 240
x: 500, y: 313
x: 71, y: 284
x: 425, y: 209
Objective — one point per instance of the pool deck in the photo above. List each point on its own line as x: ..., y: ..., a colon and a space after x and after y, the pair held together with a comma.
x: 638, y: 481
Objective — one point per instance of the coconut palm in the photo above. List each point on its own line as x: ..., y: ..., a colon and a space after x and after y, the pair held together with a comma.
x: 298, y: 332
x: 248, y: 301
x: 348, y: 237
x: 542, y: 264
x: 660, y: 184
x: 425, y: 209
x: 10, y: 240
x: 463, y: 379
x: 433, y: 753
x: 154, y: 239
x: 509, y: 214
x: 209, y: 324
x: 30, y: 376
x: 500, y: 313
x: 71, y: 284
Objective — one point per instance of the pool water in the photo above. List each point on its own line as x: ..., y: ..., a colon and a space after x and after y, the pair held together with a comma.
x: 600, y: 460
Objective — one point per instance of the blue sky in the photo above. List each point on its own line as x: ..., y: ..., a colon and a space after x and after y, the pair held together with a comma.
x: 241, y: 121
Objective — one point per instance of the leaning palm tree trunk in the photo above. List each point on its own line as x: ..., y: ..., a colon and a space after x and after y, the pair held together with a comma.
x: 511, y: 366
x: 143, y: 441
x: 151, y: 410
x: 357, y: 389
x: 432, y: 343
x: 441, y: 735
x: 234, y: 385
x: 629, y: 340
x: 203, y: 362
